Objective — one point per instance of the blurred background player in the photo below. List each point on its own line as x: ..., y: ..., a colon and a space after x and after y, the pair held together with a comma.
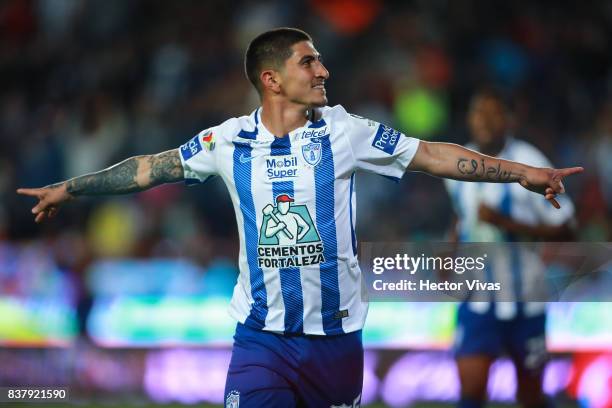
x: 504, y: 213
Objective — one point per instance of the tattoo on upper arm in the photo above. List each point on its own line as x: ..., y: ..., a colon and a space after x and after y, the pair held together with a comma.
x: 118, y: 179
x: 166, y: 167
x: 481, y: 171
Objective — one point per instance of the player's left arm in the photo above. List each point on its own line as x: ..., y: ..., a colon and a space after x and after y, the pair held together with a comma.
x: 137, y: 173
x: 456, y: 162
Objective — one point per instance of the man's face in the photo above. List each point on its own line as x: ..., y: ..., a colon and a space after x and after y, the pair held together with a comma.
x: 487, y: 120
x: 303, y: 77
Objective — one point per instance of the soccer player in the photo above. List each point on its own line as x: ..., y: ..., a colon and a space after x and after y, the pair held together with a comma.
x: 299, y: 307
x: 504, y: 213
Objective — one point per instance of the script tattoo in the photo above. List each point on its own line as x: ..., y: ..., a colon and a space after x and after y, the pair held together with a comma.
x: 166, y: 167
x: 118, y: 179
x: 482, y: 171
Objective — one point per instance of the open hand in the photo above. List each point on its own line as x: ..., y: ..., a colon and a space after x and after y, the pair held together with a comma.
x: 548, y: 182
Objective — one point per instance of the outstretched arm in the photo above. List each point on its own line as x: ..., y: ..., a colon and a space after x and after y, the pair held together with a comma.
x: 137, y: 173
x: 456, y: 162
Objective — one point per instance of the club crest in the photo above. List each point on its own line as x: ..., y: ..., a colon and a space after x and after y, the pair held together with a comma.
x: 233, y: 400
x: 312, y: 153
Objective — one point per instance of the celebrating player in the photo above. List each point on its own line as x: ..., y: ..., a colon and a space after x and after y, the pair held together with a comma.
x: 504, y: 213
x: 299, y: 306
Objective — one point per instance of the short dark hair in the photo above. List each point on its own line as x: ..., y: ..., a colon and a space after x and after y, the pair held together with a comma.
x: 270, y: 50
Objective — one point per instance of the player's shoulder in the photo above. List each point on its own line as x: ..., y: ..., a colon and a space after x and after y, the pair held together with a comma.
x: 337, y: 112
x: 328, y: 111
x: 338, y: 116
x: 331, y: 114
x: 244, y: 123
x: 231, y: 127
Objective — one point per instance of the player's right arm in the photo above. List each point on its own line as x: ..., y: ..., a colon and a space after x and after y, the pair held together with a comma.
x: 456, y: 162
x: 134, y: 174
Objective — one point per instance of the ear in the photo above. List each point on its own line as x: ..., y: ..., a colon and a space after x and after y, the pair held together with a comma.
x: 270, y: 80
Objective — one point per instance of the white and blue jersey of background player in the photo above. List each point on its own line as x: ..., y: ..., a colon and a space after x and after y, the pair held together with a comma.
x: 520, y: 272
x: 294, y: 199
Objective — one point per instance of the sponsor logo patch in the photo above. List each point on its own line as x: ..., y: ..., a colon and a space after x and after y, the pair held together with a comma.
x: 281, y: 167
x: 310, y: 133
x: 386, y: 139
x: 191, y: 148
x: 288, y: 236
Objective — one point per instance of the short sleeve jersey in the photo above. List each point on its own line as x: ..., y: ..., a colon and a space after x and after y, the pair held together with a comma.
x: 294, y: 199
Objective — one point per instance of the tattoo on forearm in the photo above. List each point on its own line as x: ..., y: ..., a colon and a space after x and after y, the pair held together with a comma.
x: 124, y: 177
x: 166, y: 167
x: 117, y: 179
x: 480, y: 170
x: 55, y: 185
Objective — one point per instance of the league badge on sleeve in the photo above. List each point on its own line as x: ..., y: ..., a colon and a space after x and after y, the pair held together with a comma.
x: 208, y: 141
x: 204, y: 140
x: 312, y: 153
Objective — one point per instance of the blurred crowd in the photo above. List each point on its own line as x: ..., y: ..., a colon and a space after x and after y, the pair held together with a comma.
x: 84, y: 84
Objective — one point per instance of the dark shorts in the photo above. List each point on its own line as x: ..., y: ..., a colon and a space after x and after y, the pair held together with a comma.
x: 272, y: 370
x: 522, y: 338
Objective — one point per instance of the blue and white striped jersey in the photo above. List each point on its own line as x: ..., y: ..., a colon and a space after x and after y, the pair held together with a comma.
x: 522, y: 271
x: 294, y: 199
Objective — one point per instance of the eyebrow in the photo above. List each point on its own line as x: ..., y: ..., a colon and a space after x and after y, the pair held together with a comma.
x: 310, y: 57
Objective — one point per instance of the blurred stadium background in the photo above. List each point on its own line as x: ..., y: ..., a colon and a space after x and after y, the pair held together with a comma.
x: 124, y: 299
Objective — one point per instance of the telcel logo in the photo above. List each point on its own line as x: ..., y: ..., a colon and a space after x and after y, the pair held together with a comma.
x: 307, y: 134
x: 282, y: 167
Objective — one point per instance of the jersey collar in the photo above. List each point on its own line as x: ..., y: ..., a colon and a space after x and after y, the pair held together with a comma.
x: 260, y: 132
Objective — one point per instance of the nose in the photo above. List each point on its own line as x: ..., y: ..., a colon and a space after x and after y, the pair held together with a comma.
x: 322, y: 72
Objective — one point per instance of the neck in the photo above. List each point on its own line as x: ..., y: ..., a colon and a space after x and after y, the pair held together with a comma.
x: 281, y: 117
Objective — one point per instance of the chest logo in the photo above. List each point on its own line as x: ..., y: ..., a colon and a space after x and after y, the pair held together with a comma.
x: 288, y: 236
x: 245, y: 159
x: 312, y: 153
